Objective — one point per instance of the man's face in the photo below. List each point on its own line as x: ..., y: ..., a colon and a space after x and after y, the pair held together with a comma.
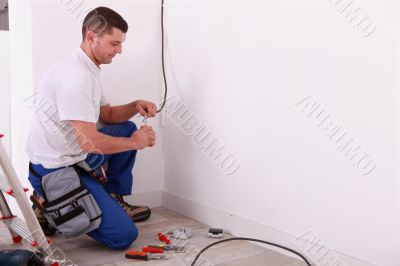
x: 104, y: 48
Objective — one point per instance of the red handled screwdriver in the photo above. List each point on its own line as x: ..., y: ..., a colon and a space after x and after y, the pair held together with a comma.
x: 153, y: 249
x: 138, y: 255
x: 163, y: 238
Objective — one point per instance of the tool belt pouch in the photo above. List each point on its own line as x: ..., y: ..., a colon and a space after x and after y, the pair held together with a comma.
x: 70, y: 208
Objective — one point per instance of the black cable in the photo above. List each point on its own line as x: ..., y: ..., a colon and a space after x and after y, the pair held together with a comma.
x: 162, y: 57
x: 249, y: 239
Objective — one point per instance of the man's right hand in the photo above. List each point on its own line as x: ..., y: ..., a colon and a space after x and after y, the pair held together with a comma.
x: 144, y: 137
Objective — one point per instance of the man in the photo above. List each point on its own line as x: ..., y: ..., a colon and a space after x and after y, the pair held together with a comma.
x: 68, y: 106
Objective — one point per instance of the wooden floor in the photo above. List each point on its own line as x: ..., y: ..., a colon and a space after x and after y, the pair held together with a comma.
x: 84, y: 251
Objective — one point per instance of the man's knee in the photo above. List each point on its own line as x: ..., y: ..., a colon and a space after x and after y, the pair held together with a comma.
x: 129, y: 127
x: 125, y: 239
x: 122, y: 238
x: 124, y: 129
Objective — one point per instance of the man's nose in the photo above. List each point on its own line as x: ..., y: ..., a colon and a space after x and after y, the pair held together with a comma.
x: 119, y: 49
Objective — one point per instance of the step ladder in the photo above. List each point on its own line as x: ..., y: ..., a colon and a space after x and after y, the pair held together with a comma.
x: 28, y: 231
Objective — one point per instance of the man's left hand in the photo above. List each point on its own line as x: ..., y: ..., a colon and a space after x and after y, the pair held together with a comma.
x: 146, y: 109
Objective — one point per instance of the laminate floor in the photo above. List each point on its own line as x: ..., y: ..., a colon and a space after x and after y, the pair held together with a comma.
x: 84, y: 251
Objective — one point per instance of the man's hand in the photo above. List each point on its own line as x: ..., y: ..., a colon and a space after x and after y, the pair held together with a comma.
x: 144, y: 137
x: 119, y: 114
x: 146, y: 109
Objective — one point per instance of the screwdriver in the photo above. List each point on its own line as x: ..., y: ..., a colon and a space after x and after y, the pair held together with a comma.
x: 161, y: 248
x: 138, y: 255
x: 153, y: 249
x: 163, y: 238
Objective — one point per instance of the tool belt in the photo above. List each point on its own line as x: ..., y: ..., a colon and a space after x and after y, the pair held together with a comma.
x: 69, y: 207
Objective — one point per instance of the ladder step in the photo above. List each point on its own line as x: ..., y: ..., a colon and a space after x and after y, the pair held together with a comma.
x: 6, y: 188
x: 4, y: 185
x: 19, y: 226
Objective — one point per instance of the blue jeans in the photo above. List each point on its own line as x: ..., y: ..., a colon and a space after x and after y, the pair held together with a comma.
x: 117, y: 230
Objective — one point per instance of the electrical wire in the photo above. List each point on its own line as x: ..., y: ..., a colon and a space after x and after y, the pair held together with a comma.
x: 163, y: 57
x: 249, y: 239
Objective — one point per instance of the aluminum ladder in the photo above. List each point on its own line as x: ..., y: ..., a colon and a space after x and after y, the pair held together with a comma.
x: 29, y: 231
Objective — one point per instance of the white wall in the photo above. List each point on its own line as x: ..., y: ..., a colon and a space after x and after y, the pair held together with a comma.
x: 5, y: 98
x: 133, y: 75
x: 241, y: 67
x: 20, y: 83
x: 5, y: 88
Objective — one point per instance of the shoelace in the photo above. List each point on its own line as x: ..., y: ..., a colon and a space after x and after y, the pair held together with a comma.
x: 124, y: 203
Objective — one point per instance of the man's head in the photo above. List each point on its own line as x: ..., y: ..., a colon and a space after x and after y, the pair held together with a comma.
x: 103, y: 32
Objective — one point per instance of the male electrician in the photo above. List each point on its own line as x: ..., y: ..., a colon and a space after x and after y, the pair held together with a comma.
x: 69, y: 104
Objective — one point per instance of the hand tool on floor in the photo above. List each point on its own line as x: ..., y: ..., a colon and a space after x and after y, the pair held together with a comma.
x: 176, y: 245
x: 153, y: 249
x: 181, y: 233
x: 139, y: 255
x: 163, y: 238
x: 162, y: 248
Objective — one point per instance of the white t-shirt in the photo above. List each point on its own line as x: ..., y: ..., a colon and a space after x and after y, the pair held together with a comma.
x: 69, y: 90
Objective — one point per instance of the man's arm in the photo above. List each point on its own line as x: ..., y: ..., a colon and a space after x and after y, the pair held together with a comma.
x: 122, y: 113
x: 92, y: 141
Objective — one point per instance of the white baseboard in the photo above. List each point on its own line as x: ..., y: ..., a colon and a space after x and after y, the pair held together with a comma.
x: 240, y: 226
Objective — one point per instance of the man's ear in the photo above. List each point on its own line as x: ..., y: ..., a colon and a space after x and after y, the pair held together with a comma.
x: 90, y: 36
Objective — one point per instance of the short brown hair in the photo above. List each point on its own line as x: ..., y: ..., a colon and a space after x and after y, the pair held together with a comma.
x: 101, y: 20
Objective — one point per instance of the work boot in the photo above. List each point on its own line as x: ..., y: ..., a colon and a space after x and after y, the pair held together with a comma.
x: 136, y: 213
x: 48, y: 230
